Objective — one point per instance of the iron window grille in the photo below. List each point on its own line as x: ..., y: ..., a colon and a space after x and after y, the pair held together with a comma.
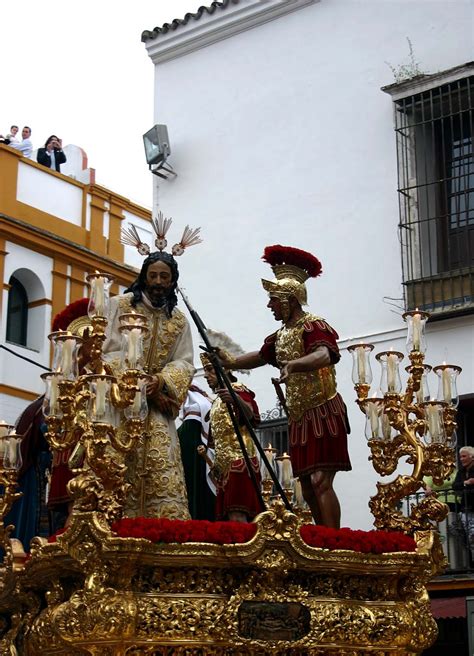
x: 273, y: 429
x: 435, y: 152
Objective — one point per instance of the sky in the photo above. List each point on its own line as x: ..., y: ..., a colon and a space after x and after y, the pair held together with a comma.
x: 80, y: 71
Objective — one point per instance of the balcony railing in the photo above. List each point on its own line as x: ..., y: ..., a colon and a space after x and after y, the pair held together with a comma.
x: 454, y: 530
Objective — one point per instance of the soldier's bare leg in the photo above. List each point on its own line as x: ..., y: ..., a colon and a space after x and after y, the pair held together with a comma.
x: 328, y: 503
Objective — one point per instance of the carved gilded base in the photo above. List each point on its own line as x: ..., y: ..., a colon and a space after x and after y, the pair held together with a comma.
x: 102, y: 595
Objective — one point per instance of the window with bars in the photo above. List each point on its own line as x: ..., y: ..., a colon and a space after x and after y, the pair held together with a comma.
x: 435, y: 149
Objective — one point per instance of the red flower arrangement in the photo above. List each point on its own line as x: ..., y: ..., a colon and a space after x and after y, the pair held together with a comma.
x: 180, y: 531
x: 376, y: 542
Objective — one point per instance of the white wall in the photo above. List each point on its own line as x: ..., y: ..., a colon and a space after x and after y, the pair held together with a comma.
x: 49, y: 193
x: 281, y: 134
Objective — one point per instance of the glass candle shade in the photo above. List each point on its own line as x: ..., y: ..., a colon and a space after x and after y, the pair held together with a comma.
x: 10, y: 450
x: 66, y: 346
x: 361, y: 370
x: 51, y: 407
x: 132, y: 318
x: 270, y: 452
x: 434, y: 422
x: 131, y: 356
x: 416, y: 321
x: 423, y: 394
x: 101, y: 409
x: 100, y: 294
x: 138, y: 409
x: 373, y: 418
x: 447, y: 384
x: 390, y: 380
x: 5, y: 430
x: 285, y: 473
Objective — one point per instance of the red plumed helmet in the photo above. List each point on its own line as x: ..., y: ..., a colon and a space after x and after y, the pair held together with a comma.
x: 287, y: 255
x: 71, y: 312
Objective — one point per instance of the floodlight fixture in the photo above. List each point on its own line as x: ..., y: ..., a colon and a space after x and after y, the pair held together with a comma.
x: 157, y: 151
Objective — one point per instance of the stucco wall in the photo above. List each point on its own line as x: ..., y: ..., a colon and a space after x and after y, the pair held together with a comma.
x: 281, y: 134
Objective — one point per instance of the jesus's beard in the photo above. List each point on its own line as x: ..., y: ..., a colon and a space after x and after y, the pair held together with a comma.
x: 158, y: 295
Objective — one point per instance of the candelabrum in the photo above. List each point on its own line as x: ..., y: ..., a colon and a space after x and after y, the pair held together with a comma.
x: 291, y: 485
x: 10, y: 462
x: 96, y: 413
x: 406, y: 423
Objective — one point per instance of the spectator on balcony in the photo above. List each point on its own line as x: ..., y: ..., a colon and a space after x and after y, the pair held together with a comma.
x: 11, y: 136
x: 25, y: 146
x: 444, y: 491
x: 464, y: 482
x: 52, y: 154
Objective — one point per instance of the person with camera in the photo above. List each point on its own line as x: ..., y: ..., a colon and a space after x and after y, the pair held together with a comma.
x: 52, y: 154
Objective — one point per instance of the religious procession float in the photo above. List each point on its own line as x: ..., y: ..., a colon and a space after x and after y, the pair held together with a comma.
x: 112, y: 584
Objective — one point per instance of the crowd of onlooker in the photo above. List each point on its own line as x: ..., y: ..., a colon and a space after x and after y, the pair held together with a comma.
x: 51, y: 155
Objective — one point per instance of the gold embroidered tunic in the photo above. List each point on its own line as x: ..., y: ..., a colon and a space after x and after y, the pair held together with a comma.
x: 155, y: 470
x: 226, y: 445
x: 317, y: 417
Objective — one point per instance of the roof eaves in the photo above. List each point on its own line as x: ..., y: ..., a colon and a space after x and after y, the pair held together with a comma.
x: 148, y: 35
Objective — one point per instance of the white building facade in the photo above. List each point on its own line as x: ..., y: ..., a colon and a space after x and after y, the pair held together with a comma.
x: 281, y: 133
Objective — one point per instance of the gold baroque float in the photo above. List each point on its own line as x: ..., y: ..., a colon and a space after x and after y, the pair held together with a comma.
x: 94, y: 593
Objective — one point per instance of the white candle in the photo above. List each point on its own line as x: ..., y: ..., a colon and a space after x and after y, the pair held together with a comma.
x: 299, y: 493
x: 53, y: 396
x: 373, y: 418
x: 446, y: 378
x: 392, y: 361
x: 66, y: 356
x: 433, y: 422
x: 269, y: 453
x: 133, y: 339
x: 98, y: 295
x: 386, y: 428
x: 137, y: 403
x: 3, y: 428
x: 12, y: 452
x: 416, y: 328
x: 286, y: 471
x: 361, y: 364
x: 100, y: 389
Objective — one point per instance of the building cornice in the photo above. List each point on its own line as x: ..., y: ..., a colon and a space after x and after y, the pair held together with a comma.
x: 422, y: 83
x: 210, y: 29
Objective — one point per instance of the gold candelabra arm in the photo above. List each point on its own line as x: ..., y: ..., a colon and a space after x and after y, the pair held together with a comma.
x: 449, y: 419
x: 59, y: 436
x: 8, y: 481
x: 124, y: 438
x: 362, y: 390
x: 385, y: 455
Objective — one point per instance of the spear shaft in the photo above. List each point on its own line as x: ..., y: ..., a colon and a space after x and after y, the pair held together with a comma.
x: 223, y: 377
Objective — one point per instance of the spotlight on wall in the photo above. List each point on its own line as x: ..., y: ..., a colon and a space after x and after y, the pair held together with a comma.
x: 157, y: 151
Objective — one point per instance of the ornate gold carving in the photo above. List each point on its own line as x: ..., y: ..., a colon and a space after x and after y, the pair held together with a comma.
x: 434, y: 459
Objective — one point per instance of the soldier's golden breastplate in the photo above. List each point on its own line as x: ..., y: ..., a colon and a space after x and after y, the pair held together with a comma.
x: 225, y: 440
x: 308, y: 389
